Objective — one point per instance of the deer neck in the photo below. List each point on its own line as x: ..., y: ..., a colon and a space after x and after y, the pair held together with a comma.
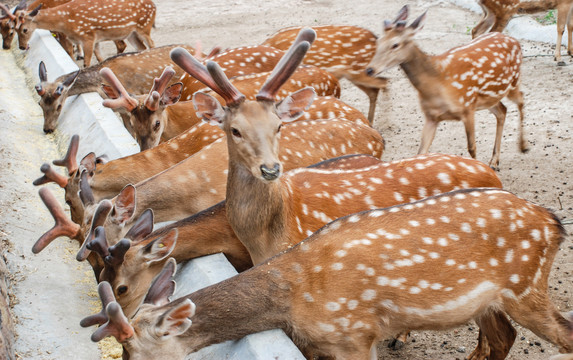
x: 422, y: 72
x: 257, y: 211
x: 49, y: 19
x: 234, y: 308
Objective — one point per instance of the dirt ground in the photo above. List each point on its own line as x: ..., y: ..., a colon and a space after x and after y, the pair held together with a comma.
x: 543, y: 175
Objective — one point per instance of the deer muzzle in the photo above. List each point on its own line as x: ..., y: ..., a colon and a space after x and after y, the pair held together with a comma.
x: 271, y: 174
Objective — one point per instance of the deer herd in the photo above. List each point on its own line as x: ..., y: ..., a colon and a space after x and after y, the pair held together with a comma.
x: 250, y: 152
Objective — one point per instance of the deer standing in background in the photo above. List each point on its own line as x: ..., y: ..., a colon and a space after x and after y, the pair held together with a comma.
x: 361, y: 278
x: 497, y: 13
x: 453, y: 85
x: 345, y: 51
x: 146, y: 63
x: 151, y: 116
x: 7, y: 26
x: 63, y: 40
x: 87, y: 22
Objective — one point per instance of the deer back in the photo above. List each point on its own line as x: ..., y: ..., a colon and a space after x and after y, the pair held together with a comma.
x: 369, y: 275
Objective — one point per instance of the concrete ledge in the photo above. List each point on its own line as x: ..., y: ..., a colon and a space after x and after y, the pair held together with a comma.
x: 102, y: 132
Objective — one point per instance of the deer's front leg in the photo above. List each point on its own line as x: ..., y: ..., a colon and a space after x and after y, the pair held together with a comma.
x: 428, y: 133
x: 562, y: 12
x: 88, y: 46
x: 469, y: 123
x: 499, y: 111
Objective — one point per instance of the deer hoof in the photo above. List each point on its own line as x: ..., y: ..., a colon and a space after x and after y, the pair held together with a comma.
x: 396, y: 344
x: 561, y: 63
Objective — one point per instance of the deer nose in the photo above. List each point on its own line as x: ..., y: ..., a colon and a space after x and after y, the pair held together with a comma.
x: 271, y: 174
x: 48, y: 131
x: 369, y: 71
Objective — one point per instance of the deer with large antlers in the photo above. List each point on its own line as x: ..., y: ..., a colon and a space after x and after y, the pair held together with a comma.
x: 160, y: 116
x: 87, y: 22
x: 457, y: 83
x: 146, y: 63
x: 497, y: 13
x: 422, y: 265
x: 345, y: 51
x: 311, y: 197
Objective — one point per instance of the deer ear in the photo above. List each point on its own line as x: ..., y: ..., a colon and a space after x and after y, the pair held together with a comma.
x: 89, y: 163
x: 418, y: 24
x: 159, y: 249
x: 176, y: 321
x: 124, y: 206
x: 142, y: 227
x: 208, y: 108
x: 109, y: 91
x: 35, y: 11
x: 294, y: 105
x: 172, y: 94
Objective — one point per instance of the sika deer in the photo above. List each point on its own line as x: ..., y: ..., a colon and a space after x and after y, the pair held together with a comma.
x: 7, y: 26
x: 152, y: 117
x: 345, y: 51
x: 497, y: 13
x: 87, y: 22
x: 62, y: 39
x: 422, y: 265
x: 318, y: 195
x: 453, y: 85
x: 145, y: 63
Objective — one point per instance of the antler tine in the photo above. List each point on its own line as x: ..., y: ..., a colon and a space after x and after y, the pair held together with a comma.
x: 163, y: 286
x: 98, y: 219
x: 106, y: 296
x: 63, y: 227
x: 281, y: 74
x: 194, y: 68
x: 117, y: 325
x: 117, y: 253
x: 99, y: 243
x: 7, y: 11
x: 50, y: 175
x: 159, y: 85
x: 231, y: 95
x: 124, y: 100
x: 69, y: 161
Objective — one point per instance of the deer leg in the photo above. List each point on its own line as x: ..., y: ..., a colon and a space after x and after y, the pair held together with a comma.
x: 499, y: 111
x: 97, y: 52
x: 570, y: 31
x: 399, y: 341
x: 562, y: 14
x: 80, y: 52
x: 469, y: 124
x: 516, y: 96
x: 120, y: 45
x: 496, y: 336
x: 372, y: 94
x: 66, y: 44
x: 88, y: 46
x: 428, y: 133
x: 136, y: 41
x: 536, y: 312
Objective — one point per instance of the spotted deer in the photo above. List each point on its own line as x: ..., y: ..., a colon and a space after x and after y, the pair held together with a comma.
x: 87, y: 22
x: 311, y: 196
x: 345, y: 51
x: 146, y: 63
x: 62, y: 39
x: 422, y: 265
x: 497, y: 13
x: 453, y: 85
x: 160, y: 116
x: 7, y: 26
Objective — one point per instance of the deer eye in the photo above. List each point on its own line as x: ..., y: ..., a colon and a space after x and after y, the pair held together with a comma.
x: 25, y: 31
x: 395, y: 46
x: 236, y: 133
x: 157, y: 124
x: 121, y: 290
x: 59, y: 107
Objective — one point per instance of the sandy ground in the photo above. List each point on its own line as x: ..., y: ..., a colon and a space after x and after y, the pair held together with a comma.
x: 543, y: 175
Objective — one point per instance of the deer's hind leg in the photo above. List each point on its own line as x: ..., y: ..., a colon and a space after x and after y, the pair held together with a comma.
x: 496, y: 336
x: 536, y: 312
x: 516, y: 96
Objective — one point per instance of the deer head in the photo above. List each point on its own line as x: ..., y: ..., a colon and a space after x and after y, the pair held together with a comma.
x: 252, y: 127
x: 394, y: 46
x: 25, y: 25
x: 52, y: 96
x: 7, y: 26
